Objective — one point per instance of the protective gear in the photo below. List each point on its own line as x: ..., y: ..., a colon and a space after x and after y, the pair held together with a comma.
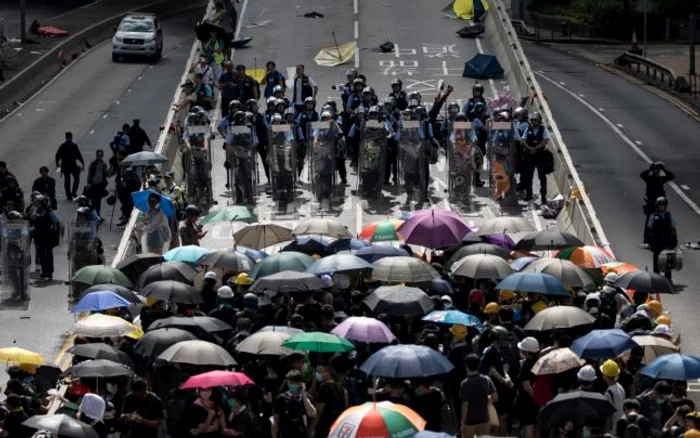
x: 331, y: 103
x: 663, y: 319
x: 611, y: 278
x: 492, y: 308
x: 239, y: 118
x: 538, y: 307
x: 374, y: 110
x: 351, y: 73
x: 249, y: 118
x: 477, y: 87
x: 397, y: 82
x: 250, y: 301
x: 520, y: 114
x: 499, y: 334
x: 272, y: 100
x: 224, y: 292
x: 453, y: 108
x: 390, y: 101
x: 242, y: 279
x: 586, y: 374
x: 529, y: 345
x: 289, y: 111
x: 34, y: 195
x: 234, y: 106
x: 358, y: 81
x: 85, y: 212
x: 506, y: 295
x: 479, y: 108
x: 211, y: 275
x: 610, y: 368
x: 655, y: 306
x: 192, y: 210
x: 310, y: 100
x: 661, y: 200
x: 251, y: 105
x: 657, y: 165
x: 459, y: 331
x: 446, y: 301
x: 461, y: 117
x: 276, y: 118
x: 326, y: 115
x: 536, y: 116
x: 368, y: 90
x: 14, y: 215
x: 278, y: 89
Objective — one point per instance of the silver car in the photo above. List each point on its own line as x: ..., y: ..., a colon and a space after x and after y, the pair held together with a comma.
x: 139, y: 34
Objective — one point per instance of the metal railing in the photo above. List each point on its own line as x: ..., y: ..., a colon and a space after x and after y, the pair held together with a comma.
x: 658, y: 72
x: 12, y: 30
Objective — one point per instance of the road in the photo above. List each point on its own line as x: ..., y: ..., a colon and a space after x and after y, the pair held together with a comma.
x: 612, y: 128
x: 93, y: 99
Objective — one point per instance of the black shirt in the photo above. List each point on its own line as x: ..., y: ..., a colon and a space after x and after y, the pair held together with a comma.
x: 332, y: 396
x: 68, y: 155
x: 13, y: 425
x: 429, y: 406
x: 150, y: 408
x: 46, y: 186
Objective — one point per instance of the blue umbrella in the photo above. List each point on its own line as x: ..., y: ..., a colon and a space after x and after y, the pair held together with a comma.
x: 453, y: 317
x: 187, y: 254
x: 405, y: 361
x: 252, y: 253
x: 338, y: 263
x: 373, y: 253
x: 533, y: 282
x: 101, y: 300
x: 141, y: 202
x: 523, y: 262
x: 353, y: 244
x: 603, y: 344
x: 674, y: 366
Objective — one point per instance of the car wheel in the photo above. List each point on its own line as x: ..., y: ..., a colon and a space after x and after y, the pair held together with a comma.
x: 115, y: 58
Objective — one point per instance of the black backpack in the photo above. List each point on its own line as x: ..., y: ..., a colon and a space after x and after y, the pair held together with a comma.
x: 292, y: 422
x: 608, y: 304
x: 633, y: 430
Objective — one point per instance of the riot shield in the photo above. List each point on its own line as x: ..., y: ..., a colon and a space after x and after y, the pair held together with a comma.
x: 372, y: 158
x: 16, y: 261
x: 241, y: 154
x: 501, y: 161
x: 412, y: 161
x: 460, y: 161
x: 82, y: 248
x: 323, y: 137
x: 283, y: 162
x: 197, y: 164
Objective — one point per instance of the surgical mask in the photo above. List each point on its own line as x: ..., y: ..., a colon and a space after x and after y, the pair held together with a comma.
x: 232, y: 403
x: 318, y: 376
x: 294, y: 387
x: 660, y: 401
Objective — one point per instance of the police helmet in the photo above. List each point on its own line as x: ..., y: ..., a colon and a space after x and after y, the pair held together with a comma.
x: 327, y: 108
x: 272, y: 100
x: 406, y: 114
x: 197, y: 109
x: 358, y: 81
x: 310, y: 100
x: 251, y: 105
x: 281, y: 102
x: 192, y: 210
x: 368, y: 90
x: 460, y: 117
x: 374, y: 109
x: 238, y: 118
x: 396, y: 82
x: 289, y: 111
x: 276, y: 118
x: 415, y: 96
x: 477, y: 87
x: 390, y: 102
x: 249, y: 118
x: 326, y: 115
x: 14, y: 215
x: 661, y: 200
x: 331, y: 103
x: 82, y: 201
x: 479, y: 108
x: 535, y: 116
x: 84, y: 211
x: 351, y: 73
x: 503, y: 116
x: 520, y: 113
x: 278, y: 89
x: 234, y: 105
x: 453, y: 108
x: 34, y: 195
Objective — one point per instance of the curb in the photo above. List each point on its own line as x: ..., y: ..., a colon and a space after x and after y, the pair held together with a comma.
x: 582, y: 42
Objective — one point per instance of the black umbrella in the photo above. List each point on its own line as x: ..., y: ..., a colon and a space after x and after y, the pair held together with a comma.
x: 61, y: 425
x: 287, y: 282
x: 157, y: 341
x: 100, y: 350
x: 137, y: 264
x: 471, y: 238
x: 436, y: 286
x: 230, y: 260
x: 308, y: 246
x: 122, y: 291
x: 644, y: 281
x: 547, y: 240
x: 206, y: 323
x: 478, y: 248
x: 46, y: 377
x: 581, y: 407
x: 177, y: 271
x: 204, y: 29
x: 99, y: 368
x: 399, y: 301
x: 172, y: 291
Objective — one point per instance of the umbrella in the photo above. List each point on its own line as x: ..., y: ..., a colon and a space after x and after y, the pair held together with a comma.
x: 141, y: 202
x: 429, y: 434
x: 557, y: 361
x: 568, y: 273
x: 198, y: 353
x: 231, y: 213
x: 61, y: 425
x: 377, y: 252
x: 96, y: 274
x: 100, y: 300
x: 122, y: 291
x: 471, y: 238
x: 143, y: 158
x: 319, y: 342
x: 137, y: 264
x: 603, y: 344
x: 103, y: 326
x: 619, y: 268
x: 217, y: 378
x: 268, y: 343
x: 336, y: 55
x: 405, y: 361
x: 503, y: 240
x: 287, y: 282
x: 655, y: 346
x: 479, y: 266
x: 434, y: 229
x: 189, y: 254
x: 470, y: 9
x: 308, y: 246
x: 673, y: 366
x: 483, y: 67
x: 322, y: 227
x: 523, y: 262
x: 254, y: 254
x: 101, y: 350
x: 20, y: 355
x: 383, y: 419
x: 177, y: 271
x: 451, y: 317
x: 586, y: 256
x: 280, y: 329
x: 239, y: 42
x: 228, y: 260
x: 534, y: 283
x: 284, y: 261
x: 156, y: 341
x: 504, y: 224
x: 363, y: 329
x: 559, y: 317
x: 581, y: 407
x: 403, y: 269
x: 471, y: 31
x: 204, y: 28
x: 399, y: 301
x: 206, y: 323
x: 99, y: 368
x: 381, y: 231
x: 436, y: 286
x: 259, y: 236
x: 478, y: 248
x: 172, y: 291
x: 340, y: 263
x: 547, y: 240
x: 342, y: 245
x: 644, y: 281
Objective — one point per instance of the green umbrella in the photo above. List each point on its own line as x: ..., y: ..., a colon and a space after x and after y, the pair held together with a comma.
x: 100, y: 274
x: 283, y: 261
x: 231, y: 213
x: 319, y: 342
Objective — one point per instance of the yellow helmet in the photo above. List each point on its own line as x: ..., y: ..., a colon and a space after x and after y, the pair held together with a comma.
x: 492, y: 308
x: 610, y: 368
x: 692, y: 433
x: 539, y: 306
x: 655, y: 306
x: 506, y: 295
x: 242, y: 279
x: 459, y: 331
x: 663, y: 319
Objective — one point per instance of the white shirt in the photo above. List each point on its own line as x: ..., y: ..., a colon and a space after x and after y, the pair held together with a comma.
x: 207, y: 73
x: 297, y: 89
x: 616, y: 396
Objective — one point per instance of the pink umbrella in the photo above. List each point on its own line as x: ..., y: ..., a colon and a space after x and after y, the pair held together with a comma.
x: 433, y: 229
x: 363, y: 329
x: 217, y: 378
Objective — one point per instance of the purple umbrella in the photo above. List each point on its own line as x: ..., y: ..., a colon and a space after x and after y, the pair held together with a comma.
x: 503, y: 240
x: 363, y: 329
x: 433, y: 229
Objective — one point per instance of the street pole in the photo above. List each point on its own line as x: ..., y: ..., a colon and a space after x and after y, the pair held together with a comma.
x: 23, y: 20
x: 692, y: 44
x: 644, y: 48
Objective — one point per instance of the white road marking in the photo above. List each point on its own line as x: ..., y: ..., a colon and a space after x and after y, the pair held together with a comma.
x: 356, y: 29
x: 638, y: 142
x: 358, y: 217
x: 620, y: 125
x: 40, y: 110
x: 355, y: 8
x: 536, y: 218
x: 480, y: 48
x: 357, y: 57
x: 634, y: 146
x: 139, y: 78
x: 685, y: 187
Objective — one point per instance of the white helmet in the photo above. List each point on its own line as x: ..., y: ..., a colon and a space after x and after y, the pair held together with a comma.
x: 611, y: 278
x: 529, y: 345
x: 225, y: 292
x: 586, y: 374
x: 446, y: 301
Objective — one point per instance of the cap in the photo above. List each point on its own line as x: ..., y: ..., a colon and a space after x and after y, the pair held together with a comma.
x: 459, y: 331
x: 446, y: 300
x: 586, y: 374
x: 506, y: 295
x: 664, y: 319
x: 327, y: 281
x: 611, y: 278
x: 492, y: 308
x: 242, y: 279
x: 610, y: 368
x: 211, y: 275
x: 224, y: 292
x: 169, y: 174
x: 529, y: 344
x: 476, y: 296
x: 663, y: 329
x: 655, y: 306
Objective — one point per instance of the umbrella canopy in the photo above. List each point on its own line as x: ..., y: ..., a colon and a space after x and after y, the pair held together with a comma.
x: 483, y: 67
x: 229, y: 260
x: 254, y: 254
x: 347, y: 245
x: 137, y: 264
x: 547, y: 240
x: 434, y: 229
x: 559, y: 317
x: 20, y: 355
x: 374, y: 253
x: 103, y: 326
x: 230, y: 213
x: 674, y: 366
x: 603, y: 344
x: 451, y: 317
x: 478, y: 248
x: 523, y: 262
x: 655, y: 346
x: 268, y: 343
x: 287, y: 282
x: 189, y: 254
x: 336, y: 55
x: 198, y: 353
x: 340, y: 263
x: 154, y: 342
x: 217, y: 378
x: 568, y: 273
x: 383, y: 419
x: 619, y: 268
x: 309, y: 246
x: 97, y: 274
x: 204, y: 28
x: 99, y: 368
x: 589, y: 257
x: 61, y: 425
x: 436, y: 286
x: 122, y: 291
x: 322, y: 227
x: 504, y: 224
x: 319, y: 342
x: 406, y: 361
x: 206, y: 323
x: 143, y: 158
x: 177, y: 271
x: 581, y: 407
x: 284, y: 261
x: 557, y: 361
x: 141, y: 202
x: 259, y: 236
x: 481, y: 266
x: 100, y: 300
x: 363, y: 329
x: 471, y: 238
x: 403, y: 269
x: 399, y: 301
x: 101, y: 350
x: 503, y: 240
x: 469, y: 9
x: 534, y: 283
x: 644, y: 281
x: 280, y: 329
x: 382, y: 231
x: 172, y: 291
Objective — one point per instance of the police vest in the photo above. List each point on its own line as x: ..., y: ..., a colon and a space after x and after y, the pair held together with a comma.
x: 471, y: 103
x: 661, y: 227
x: 534, y: 136
x: 306, y: 90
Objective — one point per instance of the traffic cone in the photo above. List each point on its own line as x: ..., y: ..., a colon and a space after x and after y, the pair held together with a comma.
x: 634, y: 46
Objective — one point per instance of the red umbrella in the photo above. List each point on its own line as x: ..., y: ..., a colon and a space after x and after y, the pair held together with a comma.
x: 217, y: 378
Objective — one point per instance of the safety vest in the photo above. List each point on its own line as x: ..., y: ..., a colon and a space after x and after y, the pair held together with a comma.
x: 176, y: 195
x: 306, y: 90
x: 219, y: 57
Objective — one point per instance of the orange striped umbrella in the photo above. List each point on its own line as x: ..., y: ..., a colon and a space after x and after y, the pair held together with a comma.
x: 586, y: 256
x: 382, y: 231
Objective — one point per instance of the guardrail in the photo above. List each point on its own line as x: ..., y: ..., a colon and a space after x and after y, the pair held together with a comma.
x: 654, y: 70
x: 12, y: 30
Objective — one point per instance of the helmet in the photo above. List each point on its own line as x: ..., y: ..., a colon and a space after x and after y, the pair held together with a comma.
x: 374, y: 109
x: 278, y: 89
x: 539, y: 306
x: 459, y: 331
x: 211, y: 275
x: 310, y: 100
x: 368, y: 90
x: 14, y: 215
x: 406, y: 114
x: 326, y: 114
x: 352, y: 73
x: 83, y: 211
x: 328, y: 108
x: 499, y: 334
x: 250, y: 301
x: 390, y: 100
x: 43, y: 434
x: 415, y: 96
x: 242, y: 279
x: 279, y: 102
x: 251, y: 105
x: 529, y: 344
x: 331, y: 103
x: 536, y: 116
x: 239, y: 118
x: 272, y: 100
x: 661, y: 200
x: 224, y: 292
x: 655, y: 306
x: 479, y: 108
x: 460, y: 117
x: 611, y: 278
x: 610, y: 368
x: 34, y: 195
x: 234, y: 105
x: 358, y: 81
x: 396, y: 81
x: 289, y: 111
x: 453, y: 107
x: 492, y: 308
x: 197, y: 109
x: 663, y: 319
x: 82, y: 200
x: 477, y: 87
x: 520, y: 113
x: 503, y: 116
x: 276, y: 118
x: 446, y: 300
x: 586, y: 374
x: 192, y: 210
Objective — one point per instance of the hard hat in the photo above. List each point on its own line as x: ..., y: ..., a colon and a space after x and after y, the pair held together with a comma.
x: 539, y: 306
x: 459, y: 331
x: 499, y: 333
x: 663, y: 319
x: 610, y: 368
x: 692, y: 433
x: 586, y: 374
x: 655, y: 306
x: 663, y: 329
x: 446, y: 300
x: 611, y: 278
x: 529, y: 344
x: 492, y: 308
x: 242, y: 279
x: 211, y: 275
x: 224, y: 292
x: 506, y: 295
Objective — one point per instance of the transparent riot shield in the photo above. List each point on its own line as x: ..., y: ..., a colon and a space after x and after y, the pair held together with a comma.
x: 197, y: 164
x: 323, y: 137
x: 412, y: 161
x: 283, y: 163
x: 372, y: 156
x: 82, y: 248
x: 501, y: 161
x: 16, y: 261
x: 460, y: 161
x: 242, y: 155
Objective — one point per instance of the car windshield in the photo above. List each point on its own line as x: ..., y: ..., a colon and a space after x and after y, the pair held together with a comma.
x: 136, y: 26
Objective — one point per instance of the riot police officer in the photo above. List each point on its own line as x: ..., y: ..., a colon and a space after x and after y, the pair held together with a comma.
x: 447, y: 122
x: 481, y: 136
x: 306, y: 116
x: 477, y: 96
x: 270, y: 108
x: 348, y: 88
x: 340, y: 146
x: 355, y: 99
x: 46, y: 233
x: 85, y: 247
x: 534, y: 142
x: 655, y: 177
x: 369, y: 99
x: 260, y: 127
x: 661, y: 232
x: 241, y: 151
x: 393, y: 119
x: 398, y: 94
x: 16, y: 240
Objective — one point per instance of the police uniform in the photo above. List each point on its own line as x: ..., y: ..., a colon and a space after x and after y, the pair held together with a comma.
x: 302, y: 121
x: 533, y: 136
x: 260, y: 127
x: 469, y: 105
x: 662, y: 234
x: 393, y: 122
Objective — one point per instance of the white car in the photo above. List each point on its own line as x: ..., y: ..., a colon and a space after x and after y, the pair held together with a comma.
x: 139, y: 34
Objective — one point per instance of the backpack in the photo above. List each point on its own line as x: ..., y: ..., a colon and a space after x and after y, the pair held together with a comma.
x: 633, y: 430
x: 608, y: 304
x: 293, y: 420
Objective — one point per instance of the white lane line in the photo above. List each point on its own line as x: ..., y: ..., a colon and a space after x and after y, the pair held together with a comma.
x: 685, y: 187
x: 689, y: 202
x: 480, y: 48
x: 358, y: 217
x: 638, y: 142
x: 536, y: 219
x: 355, y: 8
x: 357, y: 57
x: 620, y: 125
x: 356, y: 29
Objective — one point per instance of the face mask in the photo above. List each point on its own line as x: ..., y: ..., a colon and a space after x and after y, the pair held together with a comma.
x: 660, y: 401
x: 232, y: 403
x: 294, y: 388
x: 318, y: 376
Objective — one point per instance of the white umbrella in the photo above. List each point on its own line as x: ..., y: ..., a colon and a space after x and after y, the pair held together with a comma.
x: 322, y: 227
x: 259, y: 236
x: 557, y: 361
x: 198, y: 353
x: 655, y: 346
x: 265, y: 343
x: 144, y: 158
x: 565, y: 271
x: 403, y: 269
x: 103, y: 326
x: 559, y: 317
x: 504, y: 224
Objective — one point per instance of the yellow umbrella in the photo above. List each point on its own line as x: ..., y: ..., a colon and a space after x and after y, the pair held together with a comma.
x: 20, y: 355
x: 257, y: 74
x: 100, y: 326
x: 336, y: 55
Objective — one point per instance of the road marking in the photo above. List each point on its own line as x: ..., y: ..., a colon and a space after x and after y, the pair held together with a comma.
x: 599, y: 109
x: 685, y: 187
x: 582, y: 95
x: 480, y: 48
x: 620, y: 125
x: 689, y: 202
x: 92, y: 131
x: 638, y: 142
x: 63, y: 351
x: 355, y: 8
x: 358, y: 218
x: 356, y: 30
x: 357, y: 57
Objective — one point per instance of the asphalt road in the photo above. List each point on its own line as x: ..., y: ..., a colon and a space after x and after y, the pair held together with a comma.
x: 93, y: 99
x: 608, y: 125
